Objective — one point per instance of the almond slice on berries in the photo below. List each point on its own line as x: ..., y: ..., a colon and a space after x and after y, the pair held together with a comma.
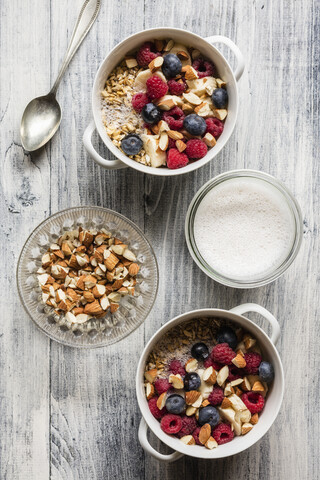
x: 155, y: 64
x: 205, y: 403
x: 220, y: 113
x: 192, y: 98
x: 162, y: 400
x: 181, y: 146
x: 163, y: 126
x: 131, y: 62
x: 257, y: 387
x: 239, y: 361
x: 188, y: 440
x: 226, y: 403
x: 149, y: 391
x: 228, y: 390
x: 176, y: 381
x: 191, y: 411
x: 191, y: 365
x: 163, y: 141
x: 209, y: 376
x: 222, y: 375
x: 209, y: 140
x: 211, y: 443
x: 205, y: 433
x: 167, y: 104
x: 246, y: 386
x: 236, y: 382
x: 249, y: 342
x: 168, y: 46
x: 254, y: 419
x: 151, y: 375
x: 190, y: 72
x: 246, y: 427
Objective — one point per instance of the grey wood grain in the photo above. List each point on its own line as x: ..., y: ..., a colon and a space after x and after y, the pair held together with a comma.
x: 72, y: 414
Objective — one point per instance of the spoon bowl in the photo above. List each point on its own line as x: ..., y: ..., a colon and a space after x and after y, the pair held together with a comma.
x: 40, y: 121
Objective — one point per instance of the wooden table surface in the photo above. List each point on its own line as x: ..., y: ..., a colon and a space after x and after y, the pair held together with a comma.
x: 72, y: 414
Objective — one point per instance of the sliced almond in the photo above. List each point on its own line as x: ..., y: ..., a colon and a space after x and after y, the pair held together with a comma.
x: 89, y: 281
x: 129, y: 255
x: 246, y: 427
x: 119, y: 249
x: 175, y: 135
x: 228, y: 390
x: 176, y: 381
x: 163, y: 141
x: 237, y: 403
x: 222, y: 375
x: 211, y: 443
x: 257, y: 387
x: 131, y: 62
x: 163, y: 126
x: 82, y: 318
x: 93, y: 308
x: 159, y: 44
x: 220, y: 83
x: 246, y: 386
x: 192, y: 397
x: 226, y: 403
x: 209, y: 376
x: 220, y: 113
x: 182, y: 55
x: 238, y: 391
x: 190, y: 72
x: 254, y: 419
x: 239, y: 361
x: 188, y: 440
x: 155, y: 64
x: 205, y: 433
x: 236, y: 382
x: 162, y: 400
x: 169, y: 46
x: 88, y: 296
x: 181, y: 146
x: 191, y: 411
x: 209, y: 140
x: 104, y: 302
x: 249, y: 342
x: 166, y: 105
x: 99, y: 290
x: 111, y: 261
x: 114, y: 307
x: 150, y: 392
x: 187, y: 108
x: 191, y: 365
x: 192, y: 98
x: 151, y: 375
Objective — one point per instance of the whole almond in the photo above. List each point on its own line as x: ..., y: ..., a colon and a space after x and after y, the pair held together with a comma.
x: 181, y: 146
x: 133, y: 269
x: 162, y: 400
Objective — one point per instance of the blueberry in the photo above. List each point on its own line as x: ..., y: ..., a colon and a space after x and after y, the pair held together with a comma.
x: 200, y: 351
x: 266, y: 372
x: 220, y: 98
x: 194, y: 124
x: 209, y: 415
x: 171, y: 66
x: 175, y: 404
x: 227, y: 335
x: 151, y: 114
x: 192, y: 381
x: 131, y: 144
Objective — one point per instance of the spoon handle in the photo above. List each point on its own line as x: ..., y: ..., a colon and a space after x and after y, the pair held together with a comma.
x: 87, y: 16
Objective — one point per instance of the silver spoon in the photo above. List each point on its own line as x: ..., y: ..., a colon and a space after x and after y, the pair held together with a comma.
x: 42, y: 116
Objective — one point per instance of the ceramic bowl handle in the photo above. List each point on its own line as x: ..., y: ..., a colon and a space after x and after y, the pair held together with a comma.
x: 143, y: 439
x: 109, y: 164
x: 253, y: 307
x: 226, y: 41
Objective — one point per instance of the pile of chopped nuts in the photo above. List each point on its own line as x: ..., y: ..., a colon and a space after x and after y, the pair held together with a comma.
x: 85, y: 273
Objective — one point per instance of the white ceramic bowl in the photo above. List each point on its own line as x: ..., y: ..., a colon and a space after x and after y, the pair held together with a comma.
x: 133, y: 42
x: 273, y: 402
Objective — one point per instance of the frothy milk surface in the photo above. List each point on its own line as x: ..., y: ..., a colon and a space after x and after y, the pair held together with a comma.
x: 244, y: 228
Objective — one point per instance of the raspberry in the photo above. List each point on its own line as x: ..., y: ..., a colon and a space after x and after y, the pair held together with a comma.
x: 222, y: 433
x: 155, y: 410
x: 146, y: 54
x: 214, y: 126
x: 235, y: 373
x: 139, y: 100
x: 222, y: 353
x: 210, y: 363
x: 177, y: 87
x: 195, y: 435
x: 189, y: 424
x: 216, y: 396
x: 156, y: 87
x: 204, y: 68
x: 171, y: 423
x: 196, y: 149
x: 176, y: 367
x: 171, y: 144
x: 174, y: 118
x: 253, y: 361
x: 254, y: 401
x: 162, y: 385
x: 175, y: 159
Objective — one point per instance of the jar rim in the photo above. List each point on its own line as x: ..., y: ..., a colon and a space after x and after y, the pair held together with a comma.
x: 276, y: 272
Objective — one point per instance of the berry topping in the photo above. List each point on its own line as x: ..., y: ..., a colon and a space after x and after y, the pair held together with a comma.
x: 223, y: 434
x: 214, y: 126
x: 253, y: 361
x: 189, y: 424
x: 216, y: 396
x: 139, y: 100
x: 266, y: 372
x: 175, y: 159
x: 235, y: 373
x: 204, y: 68
x: 171, y: 424
x: 174, y: 118
x: 131, y: 144
x: 192, y: 381
x: 200, y: 351
x: 195, y: 435
x: 177, y: 87
x: 196, y: 149
x: 156, y: 87
x: 146, y: 54
x: 194, y: 124
x: 210, y: 363
x: 222, y: 353
x: 220, y: 98
x: 171, y: 66
x: 176, y: 368
x: 227, y: 335
x: 254, y: 401
x: 162, y: 385
x: 154, y: 409
x: 209, y: 415
x: 151, y: 114
x: 175, y: 404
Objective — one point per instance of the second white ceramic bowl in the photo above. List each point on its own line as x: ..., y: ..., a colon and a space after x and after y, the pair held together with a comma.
x: 132, y: 43
x: 273, y: 401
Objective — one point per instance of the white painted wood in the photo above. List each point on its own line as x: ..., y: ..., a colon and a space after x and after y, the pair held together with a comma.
x: 70, y: 414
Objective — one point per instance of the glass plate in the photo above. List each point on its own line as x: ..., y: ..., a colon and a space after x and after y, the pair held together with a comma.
x: 100, y: 332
